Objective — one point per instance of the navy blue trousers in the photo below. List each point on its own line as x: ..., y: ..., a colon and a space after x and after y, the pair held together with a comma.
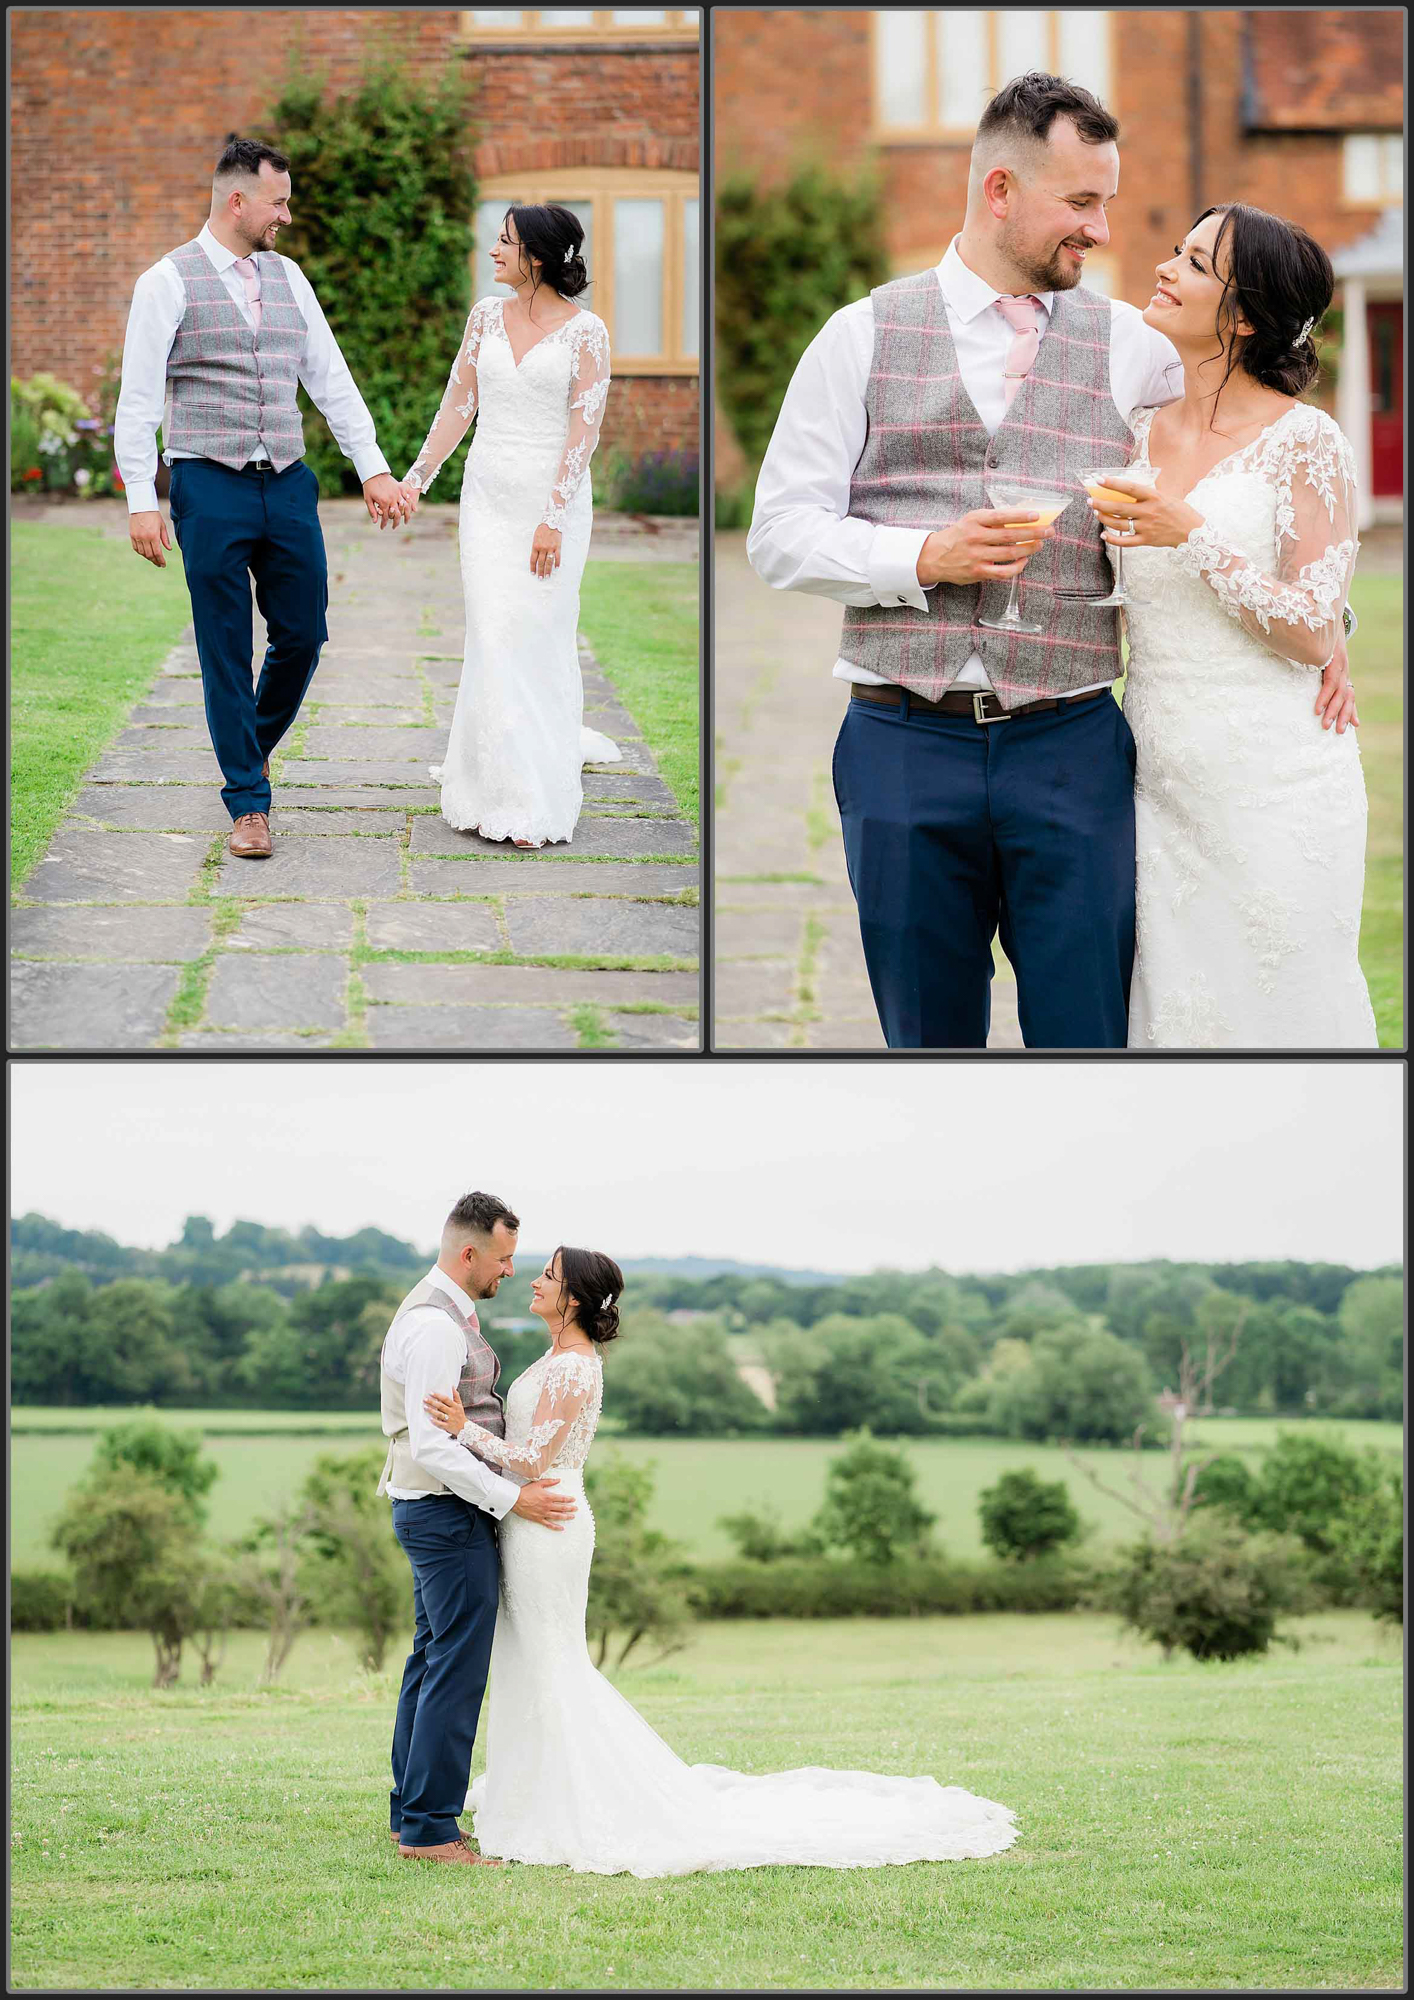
x: 456, y: 1582
x: 232, y: 526
x: 956, y: 831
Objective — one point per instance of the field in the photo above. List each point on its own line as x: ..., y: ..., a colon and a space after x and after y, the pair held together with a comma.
x: 641, y: 620
x: 1377, y: 667
x: 698, y: 1479
x: 1182, y: 1827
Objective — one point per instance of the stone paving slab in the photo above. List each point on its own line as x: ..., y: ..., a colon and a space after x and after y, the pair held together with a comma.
x: 89, y: 1006
x: 538, y: 874
x: 788, y: 948
x: 122, y: 934
x: 137, y: 900
x: 459, y: 1029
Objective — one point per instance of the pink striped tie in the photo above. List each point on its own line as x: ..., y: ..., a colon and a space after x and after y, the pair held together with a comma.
x: 1023, y: 316
x: 250, y: 276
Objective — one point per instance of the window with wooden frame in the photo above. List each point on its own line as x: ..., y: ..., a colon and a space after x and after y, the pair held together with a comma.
x: 579, y: 24
x: 641, y: 245
x: 935, y: 68
x: 1372, y: 169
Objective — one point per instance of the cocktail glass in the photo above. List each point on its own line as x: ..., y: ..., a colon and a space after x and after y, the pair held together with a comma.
x: 1046, y: 503
x: 1111, y: 498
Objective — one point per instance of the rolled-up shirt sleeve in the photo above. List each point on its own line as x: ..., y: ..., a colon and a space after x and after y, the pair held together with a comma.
x: 435, y: 1353
x: 803, y: 536
x: 325, y: 374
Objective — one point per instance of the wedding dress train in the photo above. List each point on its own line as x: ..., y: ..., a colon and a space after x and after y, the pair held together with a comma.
x: 1249, y: 817
x: 576, y: 1778
x: 518, y: 741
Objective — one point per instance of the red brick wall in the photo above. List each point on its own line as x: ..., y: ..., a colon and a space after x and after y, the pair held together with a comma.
x: 790, y: 85
x: 117, y: 119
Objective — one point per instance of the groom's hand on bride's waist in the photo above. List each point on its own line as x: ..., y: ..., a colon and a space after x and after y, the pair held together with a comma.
x: 537, y: 1503
x: 980, y: 547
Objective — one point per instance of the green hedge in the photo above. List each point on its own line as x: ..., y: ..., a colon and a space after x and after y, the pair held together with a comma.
x: 383, y: 195
x: 41, y: 1600
x: 786, y: 259
x: 802, y: 1588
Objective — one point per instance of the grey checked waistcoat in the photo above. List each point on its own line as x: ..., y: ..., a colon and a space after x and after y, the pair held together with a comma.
x: 476, y: 1387
x: 227, y: 386
x: 926, y: 460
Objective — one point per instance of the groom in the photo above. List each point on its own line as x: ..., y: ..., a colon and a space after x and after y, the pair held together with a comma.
x: 221, y: 333
x: 445, y: 1502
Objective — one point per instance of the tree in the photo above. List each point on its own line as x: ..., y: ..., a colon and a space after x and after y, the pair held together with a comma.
x: 359, y: 1575
x: 880, y: 1373
x: 1217, y: 1593
x: 666, y: 1380
x: 1306, y: 1481
x: 172, y: 1458
x: 129, y: 1541
x: 273, y: 1574
x: 384, y: 197
x: 871, y: 1507
x: 1371, y: 1355
x: 1024, y: 1516
x: 1368, y: 1537
x: 1080, y: 1384
x: 1227, y: 1482
x: 634, y: 1590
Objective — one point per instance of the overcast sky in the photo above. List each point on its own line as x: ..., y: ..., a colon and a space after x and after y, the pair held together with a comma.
x: 841, y: 1167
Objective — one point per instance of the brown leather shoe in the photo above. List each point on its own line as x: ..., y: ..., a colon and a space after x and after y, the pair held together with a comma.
x: 458, y: 1850
x: 250, y: 837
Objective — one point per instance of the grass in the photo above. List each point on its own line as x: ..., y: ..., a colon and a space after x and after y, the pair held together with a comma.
x: 1181, y: 1827
x: 642, y: 621
x: 1377, y: 668
x: 89, y: 625
x: 698, y: 1479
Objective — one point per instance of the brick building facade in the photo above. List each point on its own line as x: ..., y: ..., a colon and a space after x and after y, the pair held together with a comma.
x: 117, y: 118
x: 1300, y: 113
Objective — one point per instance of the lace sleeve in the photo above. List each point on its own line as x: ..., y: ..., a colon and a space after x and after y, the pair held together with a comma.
x: 567, y: 1388
x: 453, y: 419
x: 589, y: 389
x: 1298, y: 612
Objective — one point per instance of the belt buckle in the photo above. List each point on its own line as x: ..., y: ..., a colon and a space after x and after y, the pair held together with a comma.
x: 977, y: 701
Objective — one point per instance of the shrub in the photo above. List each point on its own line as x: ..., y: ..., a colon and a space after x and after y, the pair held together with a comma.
x: 57, y: 444
x: 135, y: 1560
x: 1226, y: 1482
x: 1217, y: 1593
x: 1023, y: 1516
x: 635, y: 1591
x: 871, y: 1506
x: 41, y: 1600
x: 1307, y: 1480
x: 1367, y: 1538
x: 913, y: 1588
x: 787, y: 258
x: 383, y: 196
x: 358, y: 1575
x: 656, y: 482
x: 760, y: 1537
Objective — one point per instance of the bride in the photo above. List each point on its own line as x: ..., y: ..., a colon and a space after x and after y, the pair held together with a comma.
x: 534, y: 372
x: 1250, y: 817
x: 575, y: 1777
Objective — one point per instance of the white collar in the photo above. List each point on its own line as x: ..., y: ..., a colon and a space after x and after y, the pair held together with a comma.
x: 220, y: 256
x: 968, y: 295
x: 437, y: 1276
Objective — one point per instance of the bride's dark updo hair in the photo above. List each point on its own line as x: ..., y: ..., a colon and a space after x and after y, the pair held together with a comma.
x: 553, y: 235
x: 1281, y: 282
x: 594, y: 1282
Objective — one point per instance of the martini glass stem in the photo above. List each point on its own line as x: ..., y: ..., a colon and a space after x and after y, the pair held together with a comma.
x: 1012, y: 614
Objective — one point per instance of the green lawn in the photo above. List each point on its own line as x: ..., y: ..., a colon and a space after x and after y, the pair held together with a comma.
x: 698, y: 1479
x: 90, y: 623
x: 1181, y: 1827
x: 641, y: 618
x: 1377, y: 668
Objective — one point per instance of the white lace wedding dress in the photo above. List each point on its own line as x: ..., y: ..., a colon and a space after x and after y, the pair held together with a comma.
x: 517, y: 745
x: 1249, y: 817
x: 575, y: 1778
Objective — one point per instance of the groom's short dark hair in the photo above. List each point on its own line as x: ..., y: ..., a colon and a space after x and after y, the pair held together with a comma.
x: 479, y: 1213
x: 1032, y: 104
x: 247, y: 156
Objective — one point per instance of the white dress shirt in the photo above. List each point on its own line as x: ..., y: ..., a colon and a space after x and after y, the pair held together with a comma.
x: 426, y: 1351
x: 159, y: 301
x: 803, y: 536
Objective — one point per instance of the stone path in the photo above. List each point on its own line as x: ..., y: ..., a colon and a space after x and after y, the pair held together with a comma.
x: 374, y: 924
x: 789, y: 969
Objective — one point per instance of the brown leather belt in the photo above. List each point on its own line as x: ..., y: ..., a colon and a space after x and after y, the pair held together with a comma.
x: 981, y: 704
